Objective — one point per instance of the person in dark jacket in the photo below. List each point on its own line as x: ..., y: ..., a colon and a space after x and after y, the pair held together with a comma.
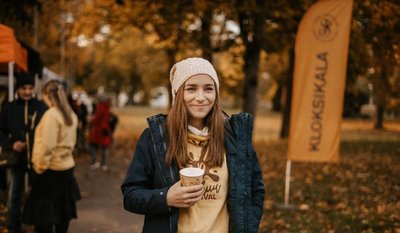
x: 18, y: 120
x: 196, y: 133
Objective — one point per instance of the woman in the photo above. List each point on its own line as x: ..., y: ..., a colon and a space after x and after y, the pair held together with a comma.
x: 52, y: 200
x: 196, y: 133
x: 100, y: 135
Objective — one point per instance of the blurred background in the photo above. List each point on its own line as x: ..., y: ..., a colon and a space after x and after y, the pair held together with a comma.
x: 126, y: 48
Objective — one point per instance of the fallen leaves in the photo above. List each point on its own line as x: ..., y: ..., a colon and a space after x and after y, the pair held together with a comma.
x: 361, y: 193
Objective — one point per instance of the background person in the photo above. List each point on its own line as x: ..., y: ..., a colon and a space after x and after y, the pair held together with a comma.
x: 196, y: 133
x: 18, y: 120
x: 52, y: 200
x: 81, y: 112
x: 100, y: 136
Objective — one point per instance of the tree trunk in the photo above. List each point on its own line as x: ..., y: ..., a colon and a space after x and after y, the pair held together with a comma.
x: 252, y: 39
x: 251, y: 78
x: 277, y: 99
x: 380, y: 110
x: 288, y: 97
x: 205, y: 34
x: 382, y: 88
x: 381, y: 96
x: 171, y: 52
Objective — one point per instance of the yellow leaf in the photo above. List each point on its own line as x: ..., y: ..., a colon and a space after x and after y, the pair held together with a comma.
x: 304, y: 207
x: 381, y: 208
x: 341, y: 206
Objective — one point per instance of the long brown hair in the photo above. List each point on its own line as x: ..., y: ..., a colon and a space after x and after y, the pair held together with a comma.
x: 55, y: 91
x: 177, y: 129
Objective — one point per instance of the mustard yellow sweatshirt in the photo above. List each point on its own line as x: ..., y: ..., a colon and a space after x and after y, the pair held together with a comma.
x: 210, y: 214
x: 54, y: 142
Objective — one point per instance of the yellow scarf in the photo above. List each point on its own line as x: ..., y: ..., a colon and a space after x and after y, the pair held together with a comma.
x: 197, y: 140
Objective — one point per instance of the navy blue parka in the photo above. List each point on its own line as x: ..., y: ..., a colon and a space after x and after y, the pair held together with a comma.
x: 148, y: 179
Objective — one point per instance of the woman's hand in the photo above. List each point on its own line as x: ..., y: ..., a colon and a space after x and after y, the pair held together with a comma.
x: 183, y: 197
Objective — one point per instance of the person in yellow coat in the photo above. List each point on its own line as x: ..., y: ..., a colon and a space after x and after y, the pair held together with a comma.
x: 51, y: 203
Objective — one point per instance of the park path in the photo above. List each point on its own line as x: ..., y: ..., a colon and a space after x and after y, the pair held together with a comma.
x: 100, y: 210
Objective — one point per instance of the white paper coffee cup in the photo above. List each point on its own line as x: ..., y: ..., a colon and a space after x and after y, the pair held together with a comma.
x: 191, y: 176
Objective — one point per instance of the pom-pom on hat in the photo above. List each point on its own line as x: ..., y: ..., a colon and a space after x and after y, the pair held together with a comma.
x: 23, y: 79
x: 189, y: 67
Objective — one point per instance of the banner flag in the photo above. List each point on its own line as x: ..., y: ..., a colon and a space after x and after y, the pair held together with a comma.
x: 321, y: 51
x: 11, y: 50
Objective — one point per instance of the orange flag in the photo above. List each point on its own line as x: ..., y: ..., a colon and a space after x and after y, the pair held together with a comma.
x: 11, y: 50
x: 319, y: 79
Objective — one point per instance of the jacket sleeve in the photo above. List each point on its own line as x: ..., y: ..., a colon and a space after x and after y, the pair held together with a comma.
x: 257, y: 184
x: 45, y: 142
x: 258, y: 191
x: 139, y: 194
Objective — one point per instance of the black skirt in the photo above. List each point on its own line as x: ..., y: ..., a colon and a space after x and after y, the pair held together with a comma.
x: 52, y: 198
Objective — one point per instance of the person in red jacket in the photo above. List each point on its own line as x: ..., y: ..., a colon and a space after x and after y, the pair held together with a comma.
x: 100, y: 135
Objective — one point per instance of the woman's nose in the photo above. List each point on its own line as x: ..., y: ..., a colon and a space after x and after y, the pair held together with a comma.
x: 200, y: 95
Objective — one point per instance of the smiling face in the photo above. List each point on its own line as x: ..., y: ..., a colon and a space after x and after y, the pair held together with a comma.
x: 199, y: 96
x: 25, y: 92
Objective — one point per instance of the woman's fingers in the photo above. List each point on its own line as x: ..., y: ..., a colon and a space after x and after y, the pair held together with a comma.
x: 193, y: 189
x: 193, y: 194
x: 179, y: 196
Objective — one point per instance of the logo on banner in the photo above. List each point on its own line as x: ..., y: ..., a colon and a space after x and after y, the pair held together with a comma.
x: 325, y: 28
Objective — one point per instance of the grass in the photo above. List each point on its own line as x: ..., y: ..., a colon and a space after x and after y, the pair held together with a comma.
x: 361, y: 193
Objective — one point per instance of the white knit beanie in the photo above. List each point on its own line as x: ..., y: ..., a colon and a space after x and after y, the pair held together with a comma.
x: 189, y: 67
